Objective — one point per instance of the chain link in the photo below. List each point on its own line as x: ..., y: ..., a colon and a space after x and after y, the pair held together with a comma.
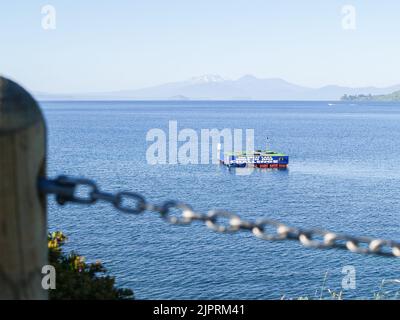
x: 84, y: 191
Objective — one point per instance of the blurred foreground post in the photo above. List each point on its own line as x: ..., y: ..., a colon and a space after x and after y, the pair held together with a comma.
x: 23, y: 220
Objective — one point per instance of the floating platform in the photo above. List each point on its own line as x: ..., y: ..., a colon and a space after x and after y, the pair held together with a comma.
x: 258, y: 159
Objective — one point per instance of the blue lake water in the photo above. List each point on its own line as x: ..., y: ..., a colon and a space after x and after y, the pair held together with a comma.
x: 344, y: 176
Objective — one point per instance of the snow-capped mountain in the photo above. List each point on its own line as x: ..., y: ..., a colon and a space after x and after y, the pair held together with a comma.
x: 207, y: 78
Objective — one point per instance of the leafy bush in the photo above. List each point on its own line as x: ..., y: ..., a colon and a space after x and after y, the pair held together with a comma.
x: 77, y: 279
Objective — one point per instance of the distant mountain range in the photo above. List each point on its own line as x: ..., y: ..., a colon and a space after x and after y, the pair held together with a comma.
x: 214, y: 87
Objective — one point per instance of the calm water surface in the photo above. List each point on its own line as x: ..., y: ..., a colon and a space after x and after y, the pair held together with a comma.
x: 344, y: 175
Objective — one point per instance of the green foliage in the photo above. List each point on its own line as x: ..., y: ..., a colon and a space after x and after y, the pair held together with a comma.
x: 77, y: 279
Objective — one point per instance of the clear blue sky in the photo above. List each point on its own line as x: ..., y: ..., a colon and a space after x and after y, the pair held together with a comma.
x: 112, y: 45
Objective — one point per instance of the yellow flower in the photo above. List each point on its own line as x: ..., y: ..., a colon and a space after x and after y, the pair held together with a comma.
x: 52, y: 244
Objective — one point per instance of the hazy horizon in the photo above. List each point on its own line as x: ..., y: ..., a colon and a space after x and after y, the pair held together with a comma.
x: 215, y: 87
x: 188, y: 79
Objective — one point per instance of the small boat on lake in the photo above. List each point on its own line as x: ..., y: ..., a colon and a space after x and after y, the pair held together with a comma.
x: 258, y: 158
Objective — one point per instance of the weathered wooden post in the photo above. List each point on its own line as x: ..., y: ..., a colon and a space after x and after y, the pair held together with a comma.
x: 23, y: 221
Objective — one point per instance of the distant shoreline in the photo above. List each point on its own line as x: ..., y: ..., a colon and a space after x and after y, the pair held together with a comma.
x: 182, y: 101
x: 218, y: 101
x: 392, y: 97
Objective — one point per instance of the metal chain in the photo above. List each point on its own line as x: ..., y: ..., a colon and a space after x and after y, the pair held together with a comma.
x: 84, y: 191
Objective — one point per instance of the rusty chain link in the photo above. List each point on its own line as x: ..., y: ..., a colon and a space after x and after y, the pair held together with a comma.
x: 68, y: 189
